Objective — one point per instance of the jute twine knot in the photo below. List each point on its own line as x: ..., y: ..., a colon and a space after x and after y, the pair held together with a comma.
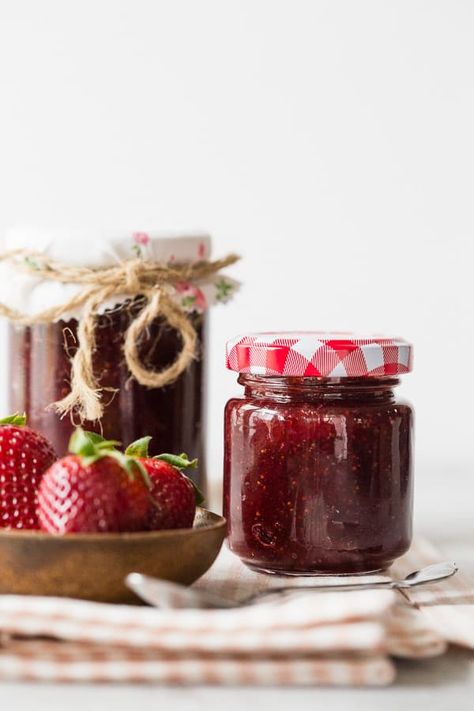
x: 154, y: 282
x: 132, y: 279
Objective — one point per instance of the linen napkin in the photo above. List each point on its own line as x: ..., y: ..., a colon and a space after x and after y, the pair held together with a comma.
x: 304, y: 639
x: 448, y: 608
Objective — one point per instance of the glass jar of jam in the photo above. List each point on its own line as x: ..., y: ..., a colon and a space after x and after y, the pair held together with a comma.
x: 318, y: 453
x: 41, y: 352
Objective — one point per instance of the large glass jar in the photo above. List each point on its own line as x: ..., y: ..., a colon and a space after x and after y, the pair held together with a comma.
x: 318, y: 454
x: 40, y: 278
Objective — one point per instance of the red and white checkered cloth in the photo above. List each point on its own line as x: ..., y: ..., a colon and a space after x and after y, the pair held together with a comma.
x: 310, y: 638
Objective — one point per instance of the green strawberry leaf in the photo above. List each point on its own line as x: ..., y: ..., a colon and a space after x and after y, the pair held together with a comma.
x: 108, y: 444
x: 131, y: 465
x: 139, y: 448
x: 94, y: 437
x: 15, y: 419
x: 82, y: 443
x: 178, y: 461
x: 89, y: 444
x: 100, y: 442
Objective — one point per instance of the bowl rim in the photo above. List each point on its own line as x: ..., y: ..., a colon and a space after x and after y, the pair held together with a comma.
x: 215, y: 523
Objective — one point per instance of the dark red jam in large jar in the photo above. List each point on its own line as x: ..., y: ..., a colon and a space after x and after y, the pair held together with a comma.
x: 318, y: 453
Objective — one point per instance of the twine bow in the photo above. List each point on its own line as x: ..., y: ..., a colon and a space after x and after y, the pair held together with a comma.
x: 153, y: 281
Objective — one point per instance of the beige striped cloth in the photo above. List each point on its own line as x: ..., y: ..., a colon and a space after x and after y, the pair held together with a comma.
x: 448, y: 608
x: 310, y: 638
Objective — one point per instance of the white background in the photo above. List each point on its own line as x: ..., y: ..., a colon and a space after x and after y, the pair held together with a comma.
x: 330, y: 142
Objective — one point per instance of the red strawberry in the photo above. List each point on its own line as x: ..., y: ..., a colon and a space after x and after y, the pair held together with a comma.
x: 24, y: 456
x: 174, y: 495
x: 94, y: 489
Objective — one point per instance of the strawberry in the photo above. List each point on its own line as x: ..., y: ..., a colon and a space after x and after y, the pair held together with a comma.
x: 94, y: 489
x: 174, y: 495
x: 24, y: 456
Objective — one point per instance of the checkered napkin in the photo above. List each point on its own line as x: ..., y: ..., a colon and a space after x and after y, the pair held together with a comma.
x: 309, y: 638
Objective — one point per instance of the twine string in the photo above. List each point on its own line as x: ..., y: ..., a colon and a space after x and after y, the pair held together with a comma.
x: 153, y: 281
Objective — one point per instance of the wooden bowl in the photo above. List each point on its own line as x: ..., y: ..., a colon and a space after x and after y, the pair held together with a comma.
x: 93, y: 566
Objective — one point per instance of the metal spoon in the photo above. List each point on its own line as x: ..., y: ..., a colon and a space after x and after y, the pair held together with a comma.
x: 162, y: 593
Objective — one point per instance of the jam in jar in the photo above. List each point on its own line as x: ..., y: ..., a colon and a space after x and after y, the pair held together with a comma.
x: 318, y: 453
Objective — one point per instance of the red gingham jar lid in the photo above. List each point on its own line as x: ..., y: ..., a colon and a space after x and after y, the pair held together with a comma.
x: 319, y: 354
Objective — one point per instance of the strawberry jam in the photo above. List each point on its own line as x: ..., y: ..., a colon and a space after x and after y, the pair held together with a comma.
x: 318, y: 474
x: 318, y: 469
x: 173, y: 415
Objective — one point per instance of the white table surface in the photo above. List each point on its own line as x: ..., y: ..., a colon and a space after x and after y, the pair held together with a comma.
x: 444, y: 514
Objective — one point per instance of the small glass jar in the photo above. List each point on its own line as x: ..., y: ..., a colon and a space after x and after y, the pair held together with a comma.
x: 318, y: 454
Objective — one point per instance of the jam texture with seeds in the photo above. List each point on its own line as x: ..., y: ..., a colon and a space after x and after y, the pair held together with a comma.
x: 318, y: 474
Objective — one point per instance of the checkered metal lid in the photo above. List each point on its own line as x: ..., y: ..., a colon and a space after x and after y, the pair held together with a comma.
x: 319, y: 354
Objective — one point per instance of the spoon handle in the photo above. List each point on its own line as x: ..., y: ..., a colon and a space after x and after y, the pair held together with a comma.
x: 387, y: 584
x: 430, y: 574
